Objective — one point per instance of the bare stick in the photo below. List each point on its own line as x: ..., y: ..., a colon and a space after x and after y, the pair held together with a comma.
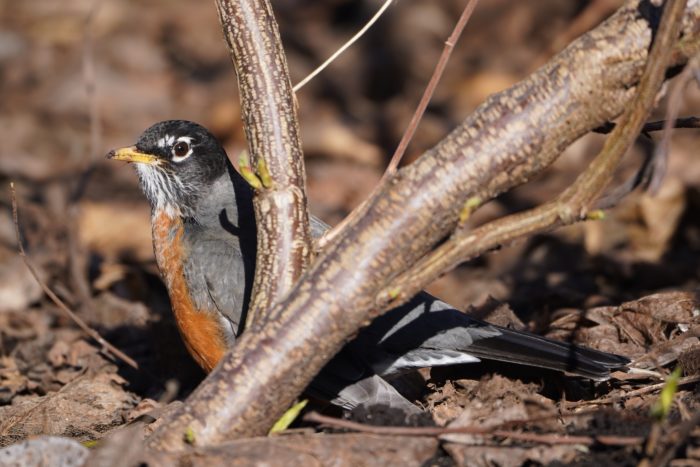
x: 552, y: 439
x: 685, y: 122
x: 76, y: 256
x: 415, y: 119
x: 57, y: 301
x: 430, y: 89
x: 636, y: 392
x: 90, y: 81
x: 344, y: 47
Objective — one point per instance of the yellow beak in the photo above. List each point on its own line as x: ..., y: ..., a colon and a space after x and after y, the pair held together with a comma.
x: 131, y: 154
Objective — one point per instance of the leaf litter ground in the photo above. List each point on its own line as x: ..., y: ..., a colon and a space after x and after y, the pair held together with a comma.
x: 627, y: 285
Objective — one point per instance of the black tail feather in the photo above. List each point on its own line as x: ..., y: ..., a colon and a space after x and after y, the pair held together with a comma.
x: 530, y: 349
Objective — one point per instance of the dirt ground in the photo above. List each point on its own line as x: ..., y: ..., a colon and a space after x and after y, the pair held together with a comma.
x: 80, y: 77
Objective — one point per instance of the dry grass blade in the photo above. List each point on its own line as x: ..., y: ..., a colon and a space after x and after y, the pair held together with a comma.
x: 54, y: 298
x: 344, y: 47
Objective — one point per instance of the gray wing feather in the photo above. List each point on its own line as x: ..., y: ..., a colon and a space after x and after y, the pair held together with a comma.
x: 218, y: 282
x: 426, y: 328
x: 370, y: 391
x: 428, y: 332
x: 317, y: 227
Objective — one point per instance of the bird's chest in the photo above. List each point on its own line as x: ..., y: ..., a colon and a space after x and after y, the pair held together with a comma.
x: 200, y: 329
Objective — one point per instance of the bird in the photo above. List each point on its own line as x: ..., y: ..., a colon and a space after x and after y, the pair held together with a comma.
x: 204, y: 241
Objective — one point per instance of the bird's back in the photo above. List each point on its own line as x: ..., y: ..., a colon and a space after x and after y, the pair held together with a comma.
x: 221, y: 262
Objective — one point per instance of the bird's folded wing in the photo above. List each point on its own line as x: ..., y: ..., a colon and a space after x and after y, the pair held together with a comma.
x: 432, y: 331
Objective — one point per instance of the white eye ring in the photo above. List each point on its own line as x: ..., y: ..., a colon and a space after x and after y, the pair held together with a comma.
x: 181, y: 149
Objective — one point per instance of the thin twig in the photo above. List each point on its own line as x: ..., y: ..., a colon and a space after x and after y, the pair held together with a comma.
x: 54, y: 298
x: 90, y: 80
x: 413, y: 124
x: 660, y: 158
x: 76, y: 256
x: 636, y: 392
x: 686, y: 122
x: 344, y: 47
x: 429, y: 89
x: 552, y: 438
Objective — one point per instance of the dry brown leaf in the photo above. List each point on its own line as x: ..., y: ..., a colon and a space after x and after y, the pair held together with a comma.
x: 57, y: 354
x: 328, y: 136
x: 11, y: 380
x: 18, y: 289
x: 483, y: 416
x: 83, y: 409
x: 116, y: 229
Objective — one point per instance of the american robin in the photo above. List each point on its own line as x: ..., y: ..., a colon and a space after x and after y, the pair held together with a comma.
x: 204, y: 238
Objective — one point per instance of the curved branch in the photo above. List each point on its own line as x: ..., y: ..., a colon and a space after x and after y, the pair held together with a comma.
x: 572, y: 205
x: 508, y: 140
x: 276, y: 165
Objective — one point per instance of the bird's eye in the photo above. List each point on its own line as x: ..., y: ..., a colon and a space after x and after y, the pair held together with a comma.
x: 181, y: 149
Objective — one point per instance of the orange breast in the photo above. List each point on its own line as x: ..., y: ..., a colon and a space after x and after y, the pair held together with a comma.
x: 200, y: 329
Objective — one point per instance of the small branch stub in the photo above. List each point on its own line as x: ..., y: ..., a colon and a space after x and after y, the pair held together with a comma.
x: 247, y: 172
x: 596, y: 215
x: 469, y: 207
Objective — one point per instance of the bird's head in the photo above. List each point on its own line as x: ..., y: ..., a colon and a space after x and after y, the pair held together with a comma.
x: 177, y: 161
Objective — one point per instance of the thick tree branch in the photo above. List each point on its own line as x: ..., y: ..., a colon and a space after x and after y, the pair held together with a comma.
x: 573, y: 204
x: 508, y: 140
x: 276, y: 165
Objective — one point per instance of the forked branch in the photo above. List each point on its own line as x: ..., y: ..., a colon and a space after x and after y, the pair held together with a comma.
x: 508, y: 140
x: 573, y: 205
